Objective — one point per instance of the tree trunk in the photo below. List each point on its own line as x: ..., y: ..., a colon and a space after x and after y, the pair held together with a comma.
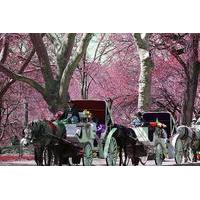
x: 146, y: 67
x: 190, y: 95
x: 25, y: 114
x: 84, y: 84
x: 192, y: 83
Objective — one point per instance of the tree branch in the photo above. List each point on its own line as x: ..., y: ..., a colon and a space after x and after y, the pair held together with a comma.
x: 12, y: 81
x: 24, y: 79
x: 140, y: 42
x: 69, y: 70
x: 53, y: 37
x: 41, y: 51
x: 65, y: 52
x: 4, y: 51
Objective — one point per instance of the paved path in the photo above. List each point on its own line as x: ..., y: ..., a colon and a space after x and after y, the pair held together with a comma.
x: 100, y: 162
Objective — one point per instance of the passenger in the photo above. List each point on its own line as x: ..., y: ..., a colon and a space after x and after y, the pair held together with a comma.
x: 138, y: 121
x: 71, y: 114
x: 100, y: 127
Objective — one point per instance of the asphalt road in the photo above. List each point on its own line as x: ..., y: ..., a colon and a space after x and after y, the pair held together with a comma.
x: 101, y: 162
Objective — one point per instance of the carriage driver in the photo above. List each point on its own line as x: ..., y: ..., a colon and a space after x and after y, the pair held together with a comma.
x: 138, y: 121
x: 71, y: 114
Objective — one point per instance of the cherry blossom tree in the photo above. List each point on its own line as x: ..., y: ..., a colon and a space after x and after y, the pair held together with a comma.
x: 54, y: 89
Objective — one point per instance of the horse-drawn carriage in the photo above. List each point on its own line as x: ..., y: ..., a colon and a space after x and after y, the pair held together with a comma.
x: 186, y: 143
x: 152, y: 138
x: 82, y: 140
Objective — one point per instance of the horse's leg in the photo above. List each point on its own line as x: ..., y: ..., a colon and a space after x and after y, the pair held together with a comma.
x: 135, y: 161
x: 68, y: 163
x: 40, y: 156
x: 125, y: 154
x: 50, y: 154
x: 36, y: 155
x: 59, y: 156
x: 56, y: 154
x: 194, y: 151
x: 120, y: 155
x: 126, y: 157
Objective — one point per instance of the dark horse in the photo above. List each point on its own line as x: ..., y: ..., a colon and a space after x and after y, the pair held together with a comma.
x: 126, y: 140
x: 43, y: 134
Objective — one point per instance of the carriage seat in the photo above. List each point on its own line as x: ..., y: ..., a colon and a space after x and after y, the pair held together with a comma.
x: 72, y: 129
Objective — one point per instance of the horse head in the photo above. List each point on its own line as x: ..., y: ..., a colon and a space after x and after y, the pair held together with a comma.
x: 31, y: 133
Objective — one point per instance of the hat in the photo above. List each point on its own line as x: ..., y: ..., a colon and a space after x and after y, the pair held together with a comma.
x: 139, y: 114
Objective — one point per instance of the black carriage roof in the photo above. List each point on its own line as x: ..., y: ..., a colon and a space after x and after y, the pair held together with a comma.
x: 159, y: 115
x: 163, y: 117
x: 96, y: 107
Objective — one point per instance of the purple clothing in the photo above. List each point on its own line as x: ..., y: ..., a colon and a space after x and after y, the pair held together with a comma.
x: 101, y: 129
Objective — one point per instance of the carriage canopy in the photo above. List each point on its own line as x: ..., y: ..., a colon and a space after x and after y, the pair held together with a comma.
x: 96, y: 107
x: 163, y: 117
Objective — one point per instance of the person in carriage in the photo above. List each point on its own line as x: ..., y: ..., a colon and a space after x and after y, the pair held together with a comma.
x: 138, y: 120
x: 71, y: 114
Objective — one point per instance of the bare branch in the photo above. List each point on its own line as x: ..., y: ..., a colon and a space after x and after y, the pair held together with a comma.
x: 69, y: 70
x: 12, y: 81
x: 41, y: 51
x: 53, y: 37
x: 4, y: 51
x: 97, y: 48
x: 140, y: 42
x: 65, y: 52
x: 24, y: 79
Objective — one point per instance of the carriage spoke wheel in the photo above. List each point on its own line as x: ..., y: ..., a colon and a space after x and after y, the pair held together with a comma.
x: 87, y: 155
x: 48, y: 157
x: 143, y: 159
x: 112, y: 153
x: 179, y: 151
x: 159, y: 154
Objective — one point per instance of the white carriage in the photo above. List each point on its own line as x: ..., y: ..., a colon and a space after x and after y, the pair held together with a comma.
x: 153, y: 137
x: 86, y: 135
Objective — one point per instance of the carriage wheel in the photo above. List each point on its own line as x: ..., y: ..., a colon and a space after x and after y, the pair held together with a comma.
x: 179, y: 151
x: 143, y: 159
x: 87, y: 155
x: 48, y: 157
x: 112, y: 152
x: 159, y: 154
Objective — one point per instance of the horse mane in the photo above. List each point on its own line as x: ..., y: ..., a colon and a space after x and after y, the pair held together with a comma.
x: 40, y: 127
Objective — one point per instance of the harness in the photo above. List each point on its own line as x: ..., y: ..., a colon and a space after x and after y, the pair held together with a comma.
x: 53, y: 126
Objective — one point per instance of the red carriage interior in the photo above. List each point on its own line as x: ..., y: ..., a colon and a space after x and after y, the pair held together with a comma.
x: 97, y: 108
x: 162, y: 117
